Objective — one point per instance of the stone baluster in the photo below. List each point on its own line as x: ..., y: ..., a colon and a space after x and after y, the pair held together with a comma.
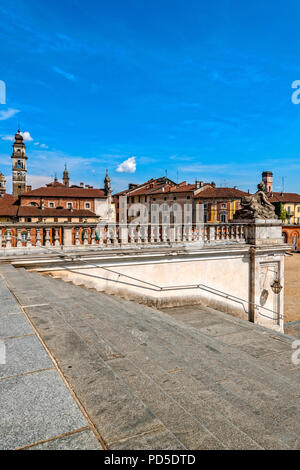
x: 189, y: 233
x: 19, y: 238
x: 28, y: 239
x: 56, y: 236
x: 47, y: 237
x: 77, y: 236
x: 145, y: 233
x: 93, y: 236
x: 115, y: 235
x: 138, y: 234
x: 152, y: 234
x: 85, y: 237
x: 131, y: 234
x: 211, y: 233
x: 38, y: 237
x: 164, y: 234
x: 8, y: 238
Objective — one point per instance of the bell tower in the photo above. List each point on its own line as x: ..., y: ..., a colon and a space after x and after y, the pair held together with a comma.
x: 267, y: 179
x: 19, y: 164
x: 66, y: 179
x: 2, y: 184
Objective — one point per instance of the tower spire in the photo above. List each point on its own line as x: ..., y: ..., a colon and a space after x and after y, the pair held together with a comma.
x: 107, y: 184
x: 19, y: 165
x: 66, y: 179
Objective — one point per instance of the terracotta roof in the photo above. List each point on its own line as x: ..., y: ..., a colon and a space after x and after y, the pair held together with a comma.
x: 8, y: 209
x: 60, y: 190
x: 7, y: 199
x: 180, y: 188
x: 284, y: 197
x: 144, y: 188
x: 211, y: 192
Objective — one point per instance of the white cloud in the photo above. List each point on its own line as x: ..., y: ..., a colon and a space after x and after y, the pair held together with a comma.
x: 68, y: 76
x: 26, y: 136
x: 44, y: 146
x: 36, y: 143
x: 128, y: 166
x: 8, y: 113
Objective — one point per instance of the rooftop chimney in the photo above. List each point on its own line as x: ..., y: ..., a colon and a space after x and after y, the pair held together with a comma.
x: 81, y: 185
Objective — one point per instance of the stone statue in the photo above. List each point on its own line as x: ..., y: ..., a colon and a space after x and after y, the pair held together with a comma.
x: 256, y: 206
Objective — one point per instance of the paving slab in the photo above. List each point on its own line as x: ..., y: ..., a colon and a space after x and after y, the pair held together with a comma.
x: 36, y: 407
x: 24, y: 354
x: 14, y: 325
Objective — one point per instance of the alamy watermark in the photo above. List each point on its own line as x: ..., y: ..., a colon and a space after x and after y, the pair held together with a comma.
x: 2, y: 92
x: 2, y: 353
x: 296, y: 353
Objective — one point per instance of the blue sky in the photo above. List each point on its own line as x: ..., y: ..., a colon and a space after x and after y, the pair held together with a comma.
x: 200, y: 89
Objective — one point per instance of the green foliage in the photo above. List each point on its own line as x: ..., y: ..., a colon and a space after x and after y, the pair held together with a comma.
x: 281, y: 212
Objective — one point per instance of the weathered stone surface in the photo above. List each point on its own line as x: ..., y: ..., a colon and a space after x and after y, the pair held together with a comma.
x: 24, y: 354
x: 14, y: 325
x: 35, y: 407
x: 155, y: 380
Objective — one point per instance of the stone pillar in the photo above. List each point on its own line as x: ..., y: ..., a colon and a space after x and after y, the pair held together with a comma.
x: 266, y: 264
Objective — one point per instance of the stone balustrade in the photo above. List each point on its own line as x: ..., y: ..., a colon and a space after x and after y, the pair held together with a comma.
x: 55, y: 235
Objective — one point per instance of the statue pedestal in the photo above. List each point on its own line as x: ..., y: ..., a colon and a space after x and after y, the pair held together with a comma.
x: 263, y: 231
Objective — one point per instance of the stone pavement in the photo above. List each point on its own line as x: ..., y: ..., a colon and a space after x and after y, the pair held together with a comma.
x: 185, y: 378
x: 37, y: 409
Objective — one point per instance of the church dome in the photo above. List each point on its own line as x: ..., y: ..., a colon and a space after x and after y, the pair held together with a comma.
x: 19, y: 137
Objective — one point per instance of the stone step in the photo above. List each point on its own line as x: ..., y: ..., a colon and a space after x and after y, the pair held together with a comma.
x: 204, y: 392
x: 131, y: 305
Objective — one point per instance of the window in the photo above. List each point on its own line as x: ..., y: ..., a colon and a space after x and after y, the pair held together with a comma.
x: 165, y: 207
x: 87, y: 205
x: 224, y: 206
x: 132, y: 199
x: 69, y: 205
x: 55, y: 219
x: 51, y: 204
x: 145, y: 198
x: 174, y: 198
x: 165, y: 198
x: 154, y: 207
x: 223, y: 217
x: 188, y: 197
